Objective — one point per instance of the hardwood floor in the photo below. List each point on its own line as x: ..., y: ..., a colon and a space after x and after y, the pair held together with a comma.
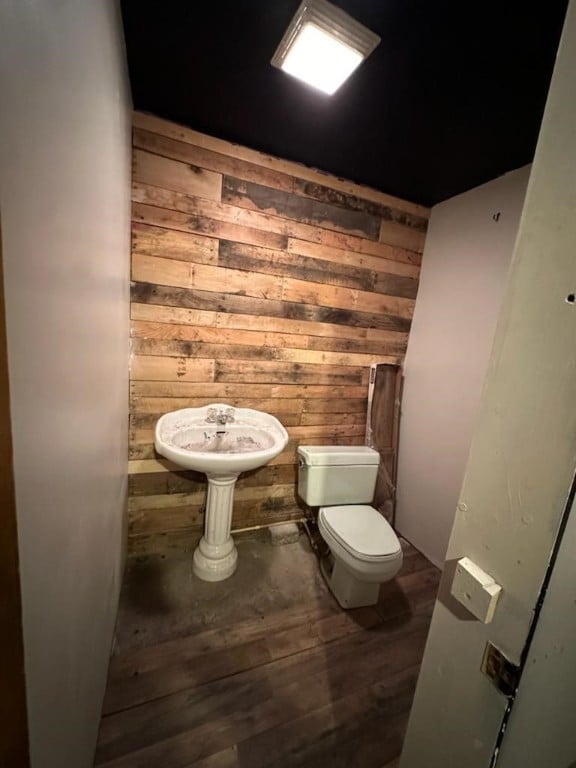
x: 304, y: 685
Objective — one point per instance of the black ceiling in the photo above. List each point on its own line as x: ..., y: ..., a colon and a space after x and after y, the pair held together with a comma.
x: 452, y: 97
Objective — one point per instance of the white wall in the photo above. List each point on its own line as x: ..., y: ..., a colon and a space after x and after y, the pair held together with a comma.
x: 462, y: 283
x: 64, y: 202
x: 517, y: 481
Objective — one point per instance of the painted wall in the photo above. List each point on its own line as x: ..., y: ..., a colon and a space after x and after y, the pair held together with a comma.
x: 263, y: 284
x: 541, y: 727
x: 464, y: 269
x: 65, y: 175
x: 520, y: 472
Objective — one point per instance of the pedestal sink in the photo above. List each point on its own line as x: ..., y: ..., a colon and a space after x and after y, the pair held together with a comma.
x: 222, y: 442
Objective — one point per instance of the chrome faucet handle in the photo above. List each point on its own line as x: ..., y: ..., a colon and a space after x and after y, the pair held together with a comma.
x: 212, y: 415
x: 229, y: 414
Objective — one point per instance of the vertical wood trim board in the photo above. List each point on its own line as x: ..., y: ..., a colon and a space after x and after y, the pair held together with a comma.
x: 383, y: 436
x: 13, y: 714
x: 260, y: 283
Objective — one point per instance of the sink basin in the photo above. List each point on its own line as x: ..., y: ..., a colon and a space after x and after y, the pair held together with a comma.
x: 190, y: 439
x: 222, y: 442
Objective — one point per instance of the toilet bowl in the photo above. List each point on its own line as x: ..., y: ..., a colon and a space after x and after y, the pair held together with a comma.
x: 364, y: 550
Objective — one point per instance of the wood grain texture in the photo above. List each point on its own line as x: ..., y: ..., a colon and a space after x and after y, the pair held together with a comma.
x: 180, y: 177
x: 256, y: 197
x: 386, y: 212
x: 206, y: 319
x: 263, y: 284
x: 387, y: 343
x: 166, y: 129
x: 385, y: 416
x: 221, y: 301
x: 291, y: 390
x: 200, y: 225
x: 198, y: 350
x: 321, y: 271
x: 303, y: 684
x: 219, y: 162
x: 171, y: 244
x: 206, y: 217
x: 389, y: 259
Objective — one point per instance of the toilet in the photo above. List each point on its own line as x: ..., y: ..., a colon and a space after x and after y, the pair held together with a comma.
x: 365, y: 551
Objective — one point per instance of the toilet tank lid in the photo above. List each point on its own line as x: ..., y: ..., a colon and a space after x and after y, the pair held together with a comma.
x: 337, y: 455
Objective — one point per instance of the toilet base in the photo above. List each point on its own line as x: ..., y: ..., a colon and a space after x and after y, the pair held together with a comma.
x: 348, y: 591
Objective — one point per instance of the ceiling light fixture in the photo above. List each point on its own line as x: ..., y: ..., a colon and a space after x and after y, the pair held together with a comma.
x: 323, y: 45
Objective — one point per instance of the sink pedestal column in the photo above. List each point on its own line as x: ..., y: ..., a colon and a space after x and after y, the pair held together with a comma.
x: 216, y: 556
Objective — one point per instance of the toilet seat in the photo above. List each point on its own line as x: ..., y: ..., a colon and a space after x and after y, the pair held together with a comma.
x: 361, y: 531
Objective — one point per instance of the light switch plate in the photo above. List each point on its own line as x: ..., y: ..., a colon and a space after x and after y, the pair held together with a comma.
x: 475, y: 590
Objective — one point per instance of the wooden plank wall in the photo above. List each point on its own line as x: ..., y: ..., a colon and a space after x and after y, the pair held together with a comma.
x: 260, y: 283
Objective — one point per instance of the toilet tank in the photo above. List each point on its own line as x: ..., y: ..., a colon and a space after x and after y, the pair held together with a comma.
x: 337, y: 474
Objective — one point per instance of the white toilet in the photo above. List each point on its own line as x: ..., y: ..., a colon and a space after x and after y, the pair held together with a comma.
x: 365, y: 550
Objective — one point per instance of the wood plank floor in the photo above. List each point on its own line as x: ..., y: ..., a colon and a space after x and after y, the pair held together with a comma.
x: 302, y: 683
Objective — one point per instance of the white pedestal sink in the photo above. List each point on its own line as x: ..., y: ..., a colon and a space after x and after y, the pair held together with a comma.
x: 222, y: 442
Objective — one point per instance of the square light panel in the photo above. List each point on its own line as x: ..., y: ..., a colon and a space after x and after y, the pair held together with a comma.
x: 323, y: 45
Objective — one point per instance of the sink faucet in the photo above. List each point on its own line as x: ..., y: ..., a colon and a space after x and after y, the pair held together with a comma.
x: 220, y: 417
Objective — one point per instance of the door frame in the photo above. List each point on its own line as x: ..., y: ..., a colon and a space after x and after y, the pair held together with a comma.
x: 14, y: 746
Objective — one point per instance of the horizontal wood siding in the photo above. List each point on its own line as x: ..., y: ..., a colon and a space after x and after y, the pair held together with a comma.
x: 260, y: 283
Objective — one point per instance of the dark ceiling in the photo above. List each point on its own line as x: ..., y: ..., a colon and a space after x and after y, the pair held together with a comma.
x: 452, y: 97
